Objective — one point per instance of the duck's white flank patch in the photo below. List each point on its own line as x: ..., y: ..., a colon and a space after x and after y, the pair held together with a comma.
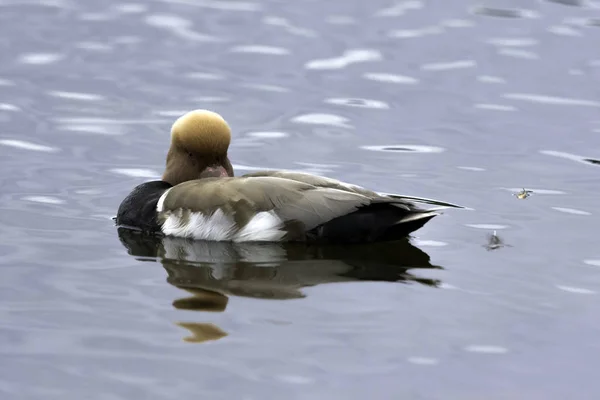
x: 217, y: 226
x: 161, y: 201
x: 264, y: 226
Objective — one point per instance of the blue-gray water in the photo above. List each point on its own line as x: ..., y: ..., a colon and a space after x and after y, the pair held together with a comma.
x: 491, y: 98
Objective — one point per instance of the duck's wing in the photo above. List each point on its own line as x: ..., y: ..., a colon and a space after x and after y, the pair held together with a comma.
x: 315, y: 180
x: 439, y: 203
x: 241, y: 199
x: 320, y: 181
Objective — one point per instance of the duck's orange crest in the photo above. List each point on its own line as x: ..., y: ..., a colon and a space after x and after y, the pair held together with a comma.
x: 201, y: 132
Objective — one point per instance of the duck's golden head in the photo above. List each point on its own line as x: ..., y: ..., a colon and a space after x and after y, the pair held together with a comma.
x: 199, y: 144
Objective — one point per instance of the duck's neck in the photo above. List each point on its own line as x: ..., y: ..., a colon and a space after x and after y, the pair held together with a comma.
x: 182, y: 167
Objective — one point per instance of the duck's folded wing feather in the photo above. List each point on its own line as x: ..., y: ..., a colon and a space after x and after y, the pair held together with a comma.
x: 315, y: 180
x: 244, y: 197
x: 319, y: 181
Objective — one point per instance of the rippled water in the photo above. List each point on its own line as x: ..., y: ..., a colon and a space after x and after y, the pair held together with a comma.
x: 462, y: 101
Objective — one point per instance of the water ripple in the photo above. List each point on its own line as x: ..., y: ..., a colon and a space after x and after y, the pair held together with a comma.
x: 513, y: 42
x: 487, y: 226
x: 340, y: 20
x: 486, y: 349
x: 260, y: 49
x: 542, y: 99
x: 130, y: 8
x: 575, y: 290
x: 504, y: 12
x: 205, y: 76
x: 575, y: 3
x: 494, y: 107
x: 468, y: 168
x: 76, y: 96
x: 572, y: 157
x: 268, y: 135
x: 415, y: 33
x: 400, y: 9
x: 94, y: 46
x: 136, y: 172
x: 361, y: 103
x: 93, y: 128
x: 564, y: 30
x: 490, y: 79
x: 390, y: 78
x: 595, y: 263
x: 518, y: 53
x: 22, y: 144
x: 289, y: 27
x: 8, y: 107
x: 40, y: 58
x: 423, y: 361
x: 230, y: 5
x: 44, y: 199
x: 178, y: 26
x: 458, y: 23
x: 406, y: 148
x: 534, y: 190
x: 571, y: 211
x: 323, y: 119
x: 349, y: 57
x: 450, y: 65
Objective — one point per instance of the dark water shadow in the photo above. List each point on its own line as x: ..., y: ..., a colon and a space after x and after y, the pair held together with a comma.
x: 213, y: 271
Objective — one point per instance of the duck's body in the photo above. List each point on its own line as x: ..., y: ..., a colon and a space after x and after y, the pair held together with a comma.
x: 270, y: 206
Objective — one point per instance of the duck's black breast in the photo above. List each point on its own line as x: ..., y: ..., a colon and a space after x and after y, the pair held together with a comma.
x: 138, y: 209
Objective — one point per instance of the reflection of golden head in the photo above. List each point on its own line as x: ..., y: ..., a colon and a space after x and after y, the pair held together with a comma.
x: 202, y: 332
x: 202, y: 300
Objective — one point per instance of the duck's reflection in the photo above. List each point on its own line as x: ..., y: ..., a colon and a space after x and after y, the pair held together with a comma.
x: 212, y: 271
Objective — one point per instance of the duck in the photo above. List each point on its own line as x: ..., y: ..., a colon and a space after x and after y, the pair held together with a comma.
x: 198, y: 197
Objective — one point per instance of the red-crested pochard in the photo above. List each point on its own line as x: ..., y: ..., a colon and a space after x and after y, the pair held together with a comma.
x: 199, y: 198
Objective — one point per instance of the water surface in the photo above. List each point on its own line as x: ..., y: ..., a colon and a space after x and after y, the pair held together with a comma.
x: 466, y: 102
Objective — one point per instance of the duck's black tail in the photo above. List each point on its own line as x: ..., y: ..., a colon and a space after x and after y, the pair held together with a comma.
x: 377, y: 222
